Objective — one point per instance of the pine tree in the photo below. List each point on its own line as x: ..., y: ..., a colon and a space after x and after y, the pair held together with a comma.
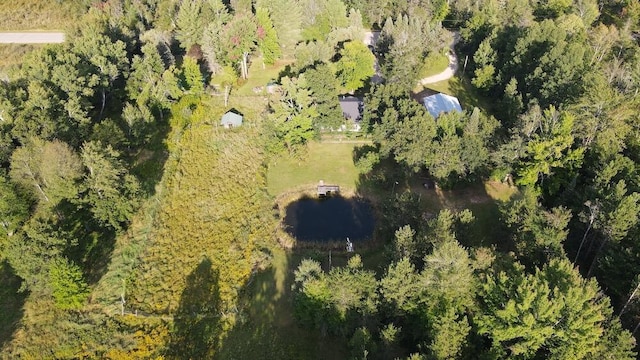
x: 70, y: 291
x: 267, y: 37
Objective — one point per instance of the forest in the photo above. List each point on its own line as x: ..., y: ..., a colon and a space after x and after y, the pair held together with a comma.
x: 133, y: 225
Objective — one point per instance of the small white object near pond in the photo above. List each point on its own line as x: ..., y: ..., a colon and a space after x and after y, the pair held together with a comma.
x: 349, y: 245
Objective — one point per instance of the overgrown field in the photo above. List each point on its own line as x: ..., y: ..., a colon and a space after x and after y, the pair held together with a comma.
x: 11, y: 55
x: 214, y: 216
x: 39, y: 14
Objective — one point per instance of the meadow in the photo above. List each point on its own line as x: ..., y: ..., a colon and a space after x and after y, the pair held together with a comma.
x: 33, y: 15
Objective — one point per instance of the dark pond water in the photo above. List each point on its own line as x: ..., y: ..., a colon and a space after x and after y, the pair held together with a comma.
x: 331, y: 218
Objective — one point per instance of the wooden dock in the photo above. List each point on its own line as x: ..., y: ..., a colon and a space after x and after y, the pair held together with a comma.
x: 323, y: 189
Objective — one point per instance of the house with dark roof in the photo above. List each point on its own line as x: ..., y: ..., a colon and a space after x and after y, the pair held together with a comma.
x: 231, y: 120
x: 441, y: 103
x: 351, y: 107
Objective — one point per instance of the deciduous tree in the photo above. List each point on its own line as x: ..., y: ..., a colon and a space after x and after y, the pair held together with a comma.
x: 50, y: 169
x: 355, y: 65
x: 110, y: 191
x: 322, y: 83
x: 293, y: 112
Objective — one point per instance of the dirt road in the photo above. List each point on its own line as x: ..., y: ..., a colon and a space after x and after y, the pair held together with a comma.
x: 31, y: 37
x: 450, y: 71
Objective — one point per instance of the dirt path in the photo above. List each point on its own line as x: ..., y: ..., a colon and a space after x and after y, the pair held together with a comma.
x: 370, y: 39
x: 450, y: 71
x: 31, y: 37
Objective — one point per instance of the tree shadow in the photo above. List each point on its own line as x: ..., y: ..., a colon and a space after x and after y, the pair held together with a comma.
x: 268, y: 328
x: 95, y: 243
x: 196, y: 326
x: 11, y: 302
x: 149, y: 162
x: 404, y: 197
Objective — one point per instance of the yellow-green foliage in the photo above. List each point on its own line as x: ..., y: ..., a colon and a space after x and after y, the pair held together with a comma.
x: 47, y: 332
x: 214, y: 208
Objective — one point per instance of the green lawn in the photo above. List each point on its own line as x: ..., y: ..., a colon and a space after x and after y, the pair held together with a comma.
x: 270, y: 330
x: 331, y: 162
x: 260, y: 77
x: 433, y: 64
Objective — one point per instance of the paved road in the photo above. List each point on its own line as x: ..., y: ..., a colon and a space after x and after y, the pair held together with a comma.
x: 31, y: 37
x: 450, y: 70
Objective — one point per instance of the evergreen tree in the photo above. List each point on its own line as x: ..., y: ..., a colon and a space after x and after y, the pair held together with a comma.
x: 192, y: 80
x: 69, y: 289
x: 287, y: 21
x: 267, y: 37
x: 189, y: 23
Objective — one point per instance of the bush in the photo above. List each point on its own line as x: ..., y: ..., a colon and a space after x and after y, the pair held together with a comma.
x: 70, y: 291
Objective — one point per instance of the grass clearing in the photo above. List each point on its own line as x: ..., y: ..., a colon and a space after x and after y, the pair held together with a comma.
x: 433, y: 64
x: 260, y: 77
x: 39, y: 14
x: 482, y: 199
x: 330, y: 162
x: 327, y: 161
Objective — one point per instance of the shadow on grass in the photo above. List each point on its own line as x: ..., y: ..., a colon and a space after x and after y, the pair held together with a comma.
x: 96, y: 242
x: 148, y: 163
x: 196, y: 325
x: 469, y: 96
x: 11, y: 302
x: 269, y: 329
x: 401, y: 198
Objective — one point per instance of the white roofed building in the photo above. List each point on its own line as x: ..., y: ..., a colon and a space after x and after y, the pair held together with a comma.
x: 441, y: 103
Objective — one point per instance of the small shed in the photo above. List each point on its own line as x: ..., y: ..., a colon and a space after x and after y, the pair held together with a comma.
x: 439, y: 103
x: 231, y: 120
x: 351, y: 107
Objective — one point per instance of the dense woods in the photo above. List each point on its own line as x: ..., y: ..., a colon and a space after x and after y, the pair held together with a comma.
x: 133, y: 225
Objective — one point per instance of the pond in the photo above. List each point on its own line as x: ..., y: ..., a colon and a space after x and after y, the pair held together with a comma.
x: 330, y: 218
